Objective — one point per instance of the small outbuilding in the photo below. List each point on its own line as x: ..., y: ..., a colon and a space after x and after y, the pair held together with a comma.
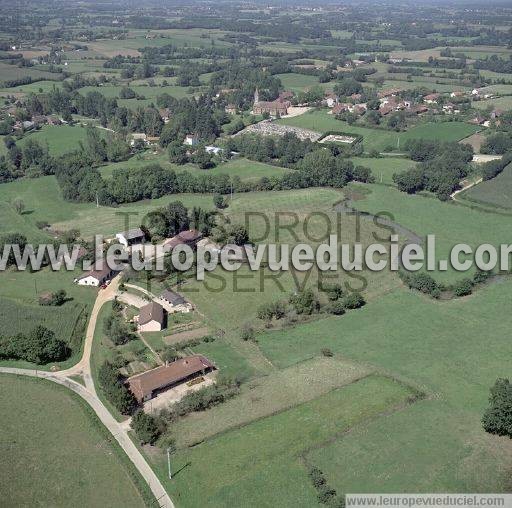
x: 151, y: 318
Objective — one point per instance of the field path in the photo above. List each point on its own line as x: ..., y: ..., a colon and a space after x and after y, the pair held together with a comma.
x: 88, y: 393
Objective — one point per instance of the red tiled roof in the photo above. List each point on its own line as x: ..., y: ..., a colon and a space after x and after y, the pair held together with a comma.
x: 142, y: 385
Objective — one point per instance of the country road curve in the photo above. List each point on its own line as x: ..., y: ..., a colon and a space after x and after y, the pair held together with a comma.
x: 88, y: 393
x: 117, y: 430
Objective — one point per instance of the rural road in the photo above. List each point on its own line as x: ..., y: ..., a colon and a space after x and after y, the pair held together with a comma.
x: 88, y: 393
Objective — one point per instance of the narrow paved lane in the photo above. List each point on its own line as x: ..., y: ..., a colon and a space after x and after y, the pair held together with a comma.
x: 88, y: 393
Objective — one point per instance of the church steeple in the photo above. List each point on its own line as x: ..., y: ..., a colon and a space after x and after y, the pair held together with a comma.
x: 256, y: 96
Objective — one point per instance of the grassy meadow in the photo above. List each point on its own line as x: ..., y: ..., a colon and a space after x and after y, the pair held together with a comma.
x: 496, y: 192
x: 262, y: 462
x: 381, y: 139
x: 453, y: 351
x: 55, y: 452
x: 449, y: 222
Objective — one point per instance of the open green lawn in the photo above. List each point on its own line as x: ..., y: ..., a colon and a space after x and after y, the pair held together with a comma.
x: 149, y: 92
x: 37, y: 87
x: 268, y: 395
x: 449, y: 222
x: 454, y: 350
x: 245, y: 169
x: 495, y: 192
x: 238, y: 294
x: 300, y: 82
x: 261, y: 462
x: 59, y: 138
x: 20, y: 311
x: 55, y: 452
x: 385, y: 167
x: 13, y: 72
x: 44, y: 203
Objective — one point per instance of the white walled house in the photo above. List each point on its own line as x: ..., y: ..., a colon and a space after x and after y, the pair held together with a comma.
x: 131, y: 237
x: 96, y: 278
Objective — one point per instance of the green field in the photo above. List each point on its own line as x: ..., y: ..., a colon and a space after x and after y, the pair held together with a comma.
x: 55, y: 452
x: 384, y: 168
x: 261, y: 462
x: 495, y: 192
x: 13, y: 72
x: 241, y: 292
x: 454, y: 350
x: 45, y: 203
x: 36, y: 87
x: 300, y: 82
x: 60, y: 139
x: 449, y: 222
x: 268, y: 395
x: 381, y: 139
x: 245, y: 169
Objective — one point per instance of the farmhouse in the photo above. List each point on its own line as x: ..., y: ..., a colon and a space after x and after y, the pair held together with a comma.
x: 96, y: 277
x: 176, y: 301
x: 131, y: 237
x: 147, y: 385
x: 151, y: 318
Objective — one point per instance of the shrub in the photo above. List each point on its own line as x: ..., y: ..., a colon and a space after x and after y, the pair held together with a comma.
x: 305, y: 302
x: 353, y: 301
x: 481, y: 276
x: 337, y: 308
x: 497, y: 419
x: 463, y: 287
x: 422, y: 282
x: 145, y: 427
x: 169, y: 354
x: 327, y: 352
x: 333, y: 291
x: 247, y: 332
x: 268, y: 311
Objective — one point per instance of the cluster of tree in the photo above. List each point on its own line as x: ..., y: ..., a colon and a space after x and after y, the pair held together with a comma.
x: 40, y: 346
x: 112, y: 384
x: 492, y: 169
x: 497, y: 143
x: 325, y: 494
x: 179, y: 154
x: 427, y: 284
x: 230, y: 234
x: 30, y: 160
x: 443, y: 166
x: 201, y: 117
x: 174, y: 218
x: 115, y: 326
x: 146, y: 427
x: 306, y: 303
x: 495, y: 64
x: 284, y: 151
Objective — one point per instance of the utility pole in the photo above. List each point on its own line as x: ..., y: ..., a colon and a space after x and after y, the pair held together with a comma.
x: 169, y: 462
x: 97, y: 201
